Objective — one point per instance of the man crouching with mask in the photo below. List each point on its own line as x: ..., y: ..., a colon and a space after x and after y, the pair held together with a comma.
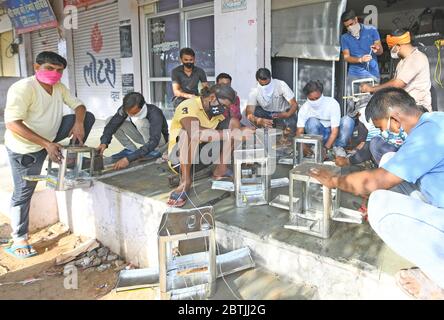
x: 201, y: 136
x: 272, y: 103
x: 139, y: 122
x: 321, y: 115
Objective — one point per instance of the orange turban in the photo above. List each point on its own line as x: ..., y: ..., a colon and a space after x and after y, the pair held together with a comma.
x: 402, y: 39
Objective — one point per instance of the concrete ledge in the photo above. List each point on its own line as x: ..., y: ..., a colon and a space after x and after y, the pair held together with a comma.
x: 43, y: 212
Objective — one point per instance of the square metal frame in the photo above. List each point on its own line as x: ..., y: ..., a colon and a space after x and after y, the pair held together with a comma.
x: 306, y: 221
x: 251, y: 156
x: 298, y: 149
x: 186, y: 225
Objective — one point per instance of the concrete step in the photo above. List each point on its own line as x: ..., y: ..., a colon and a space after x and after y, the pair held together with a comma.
x: 124, y: 213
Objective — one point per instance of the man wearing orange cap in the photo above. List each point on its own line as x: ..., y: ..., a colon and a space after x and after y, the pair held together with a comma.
x: 412, y: 73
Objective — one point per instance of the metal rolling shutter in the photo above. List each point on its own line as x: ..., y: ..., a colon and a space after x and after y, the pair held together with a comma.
x: 97, y: 59
x: 44, y: 40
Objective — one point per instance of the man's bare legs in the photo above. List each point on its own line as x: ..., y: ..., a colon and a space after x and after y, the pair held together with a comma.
x: 227, y: 150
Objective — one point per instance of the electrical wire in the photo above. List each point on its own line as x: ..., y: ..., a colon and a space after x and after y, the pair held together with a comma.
x: 438, y: 69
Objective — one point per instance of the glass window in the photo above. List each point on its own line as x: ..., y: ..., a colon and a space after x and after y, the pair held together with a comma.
x: 314, y: 70
x: 162, y: 93
x: 165, y: 5
x: 165, y: 45
x: 187, y: 3
x: 283, y: 70
x: 201, y: 39
x: 310, y: 31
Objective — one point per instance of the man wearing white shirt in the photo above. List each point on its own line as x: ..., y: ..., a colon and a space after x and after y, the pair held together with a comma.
x: 272, y: 103
x: 321, y: 115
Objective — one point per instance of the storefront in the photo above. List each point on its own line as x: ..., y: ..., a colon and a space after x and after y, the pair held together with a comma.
x: 305, y: 39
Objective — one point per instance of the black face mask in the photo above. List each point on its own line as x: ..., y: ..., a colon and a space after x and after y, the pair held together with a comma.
x: 217, y: 110
x: 189, y: 65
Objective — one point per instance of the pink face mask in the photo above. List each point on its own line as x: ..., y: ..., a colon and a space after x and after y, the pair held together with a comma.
x: 48, y: 77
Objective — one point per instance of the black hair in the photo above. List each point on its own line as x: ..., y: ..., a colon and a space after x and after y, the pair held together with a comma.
x: 187, y: 52
x: 348, y: 15
x: 52, y: 58
x: 223, y: 76
x: 221, y: 92
x: 398, y: 32
x: 263, y: 74
x: 313, y: 86
x: 133, y: 99
x: 382, y: 100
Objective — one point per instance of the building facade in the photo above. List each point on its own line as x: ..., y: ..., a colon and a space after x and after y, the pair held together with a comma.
x: 118, y: 46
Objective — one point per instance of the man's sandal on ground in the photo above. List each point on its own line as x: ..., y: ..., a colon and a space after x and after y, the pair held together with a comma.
x: 12, y: 250
x: 177, y: 199
x: 428, y: 290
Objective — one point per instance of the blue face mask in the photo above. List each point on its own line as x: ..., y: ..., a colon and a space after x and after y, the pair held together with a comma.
x: 386, y: 133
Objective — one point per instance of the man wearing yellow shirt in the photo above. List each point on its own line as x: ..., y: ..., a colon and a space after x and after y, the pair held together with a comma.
x: 34, y: 124
x: 197, y: 127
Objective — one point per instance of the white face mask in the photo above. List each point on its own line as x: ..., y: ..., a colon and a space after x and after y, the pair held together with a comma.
x: 316, y: 103
x: 267, y: 91
x: 395, y: 55
x: 354, y: 30
x: 141, y: 114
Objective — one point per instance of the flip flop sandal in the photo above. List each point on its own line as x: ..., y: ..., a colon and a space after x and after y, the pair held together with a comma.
x: 177, y: 200
x: 12, y: 251
x: 427, y: 287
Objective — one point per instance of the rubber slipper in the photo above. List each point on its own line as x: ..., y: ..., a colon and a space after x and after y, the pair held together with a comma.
x: 12, y: 251
x: 427, y: 287
x: 177, y: 200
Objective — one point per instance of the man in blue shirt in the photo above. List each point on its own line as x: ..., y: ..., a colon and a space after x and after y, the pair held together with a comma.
x: 360, y: 46
x: 409, y: 217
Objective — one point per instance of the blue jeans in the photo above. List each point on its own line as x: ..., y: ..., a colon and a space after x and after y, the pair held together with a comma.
x: 346, y: 128
x: 373, y: 150
x: 286, y: 123
x: 29, y: 165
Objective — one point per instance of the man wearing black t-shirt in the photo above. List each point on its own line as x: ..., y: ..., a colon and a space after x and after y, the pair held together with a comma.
x: 186, y: 77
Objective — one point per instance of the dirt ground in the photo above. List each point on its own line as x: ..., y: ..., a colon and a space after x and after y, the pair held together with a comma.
x: 39, y: 278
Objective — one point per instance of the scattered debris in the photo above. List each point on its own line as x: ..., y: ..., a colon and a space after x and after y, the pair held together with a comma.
x: 102, y: 252
x: 103, y: 267
x: 82, y: 248
x: 3, y: 270
x: 53, y: 273
x: 92, y: 253
x: 102, y: 286
x: 23, y: 282
x: 112, y: 257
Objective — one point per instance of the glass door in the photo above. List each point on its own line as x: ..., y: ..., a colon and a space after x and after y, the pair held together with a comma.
x: 190, y: 25
x: 200, y: 37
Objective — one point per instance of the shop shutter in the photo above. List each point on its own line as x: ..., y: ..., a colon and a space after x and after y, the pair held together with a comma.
x: 97, y: 59
x: 44, y: 40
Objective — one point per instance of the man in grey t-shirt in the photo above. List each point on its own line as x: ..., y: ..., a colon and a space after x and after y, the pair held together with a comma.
x: 186, y: 77
x: 272, y: 103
